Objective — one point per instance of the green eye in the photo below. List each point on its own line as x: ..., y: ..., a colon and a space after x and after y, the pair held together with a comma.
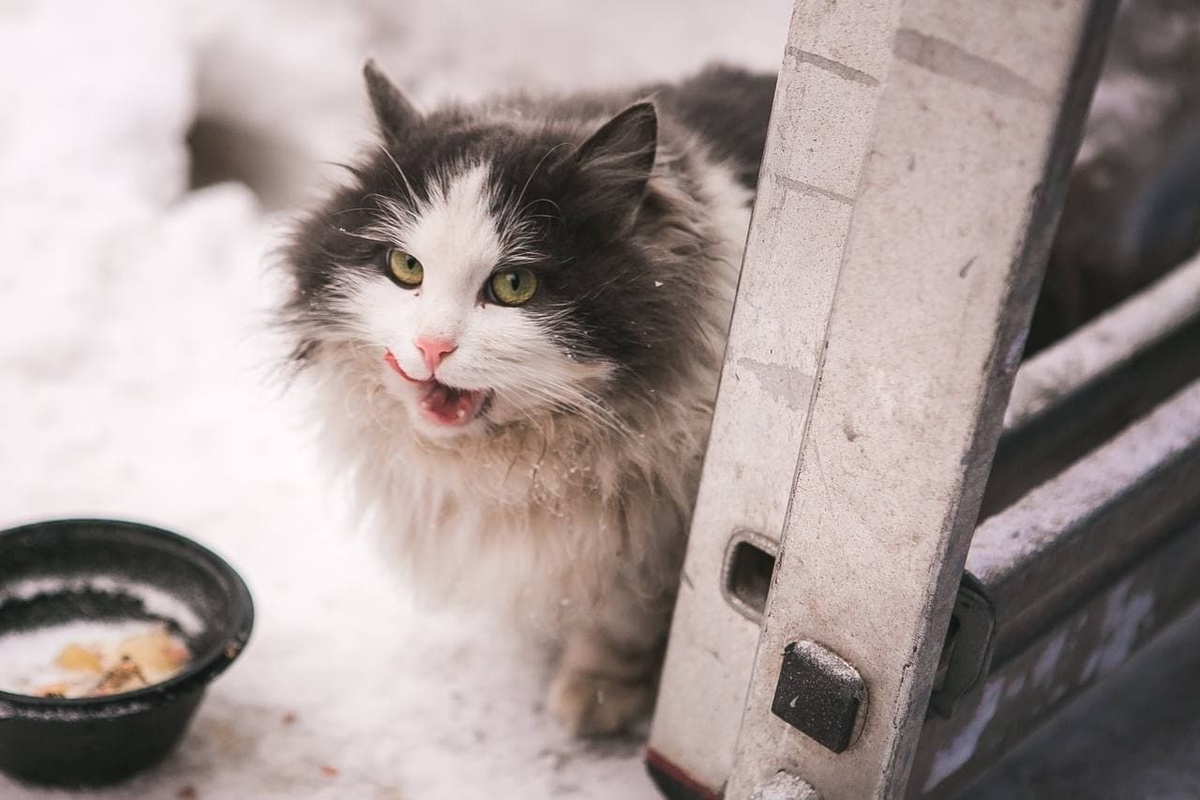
x: 513, y: 287
x: 404, y: 269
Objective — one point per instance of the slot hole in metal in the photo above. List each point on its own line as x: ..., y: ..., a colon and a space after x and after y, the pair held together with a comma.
x: 747, y: 576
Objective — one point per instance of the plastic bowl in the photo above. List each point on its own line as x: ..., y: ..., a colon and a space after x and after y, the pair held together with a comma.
x: 62, y: 571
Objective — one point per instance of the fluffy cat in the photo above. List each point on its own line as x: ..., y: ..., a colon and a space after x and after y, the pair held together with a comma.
x: 515, y: 315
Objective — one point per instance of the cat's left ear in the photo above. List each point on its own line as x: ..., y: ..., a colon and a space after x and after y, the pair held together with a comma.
x: 393, y: 111
x: 618, y: 158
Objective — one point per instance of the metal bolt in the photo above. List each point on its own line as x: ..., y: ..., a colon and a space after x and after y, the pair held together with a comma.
x: 785, y: 786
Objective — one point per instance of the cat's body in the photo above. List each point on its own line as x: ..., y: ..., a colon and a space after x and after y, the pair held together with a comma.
x: 515, y: 316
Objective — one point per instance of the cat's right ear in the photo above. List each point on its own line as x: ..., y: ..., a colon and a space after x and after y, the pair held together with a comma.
x: 394, y: 113
x: 618, y: 160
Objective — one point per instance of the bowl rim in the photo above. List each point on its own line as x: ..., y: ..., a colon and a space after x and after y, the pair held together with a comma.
x: 201, y: 670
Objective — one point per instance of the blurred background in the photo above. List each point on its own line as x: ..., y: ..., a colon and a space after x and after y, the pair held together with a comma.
x: 150, y: 153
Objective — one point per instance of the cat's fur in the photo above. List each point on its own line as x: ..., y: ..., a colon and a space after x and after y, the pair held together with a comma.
x: 567, y: 499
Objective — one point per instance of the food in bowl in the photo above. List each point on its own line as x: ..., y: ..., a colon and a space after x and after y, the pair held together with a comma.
x: 90, y: 659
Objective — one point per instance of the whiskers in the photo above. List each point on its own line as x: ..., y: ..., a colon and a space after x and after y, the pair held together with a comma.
x: 546, y: 397
x: 412, y: 196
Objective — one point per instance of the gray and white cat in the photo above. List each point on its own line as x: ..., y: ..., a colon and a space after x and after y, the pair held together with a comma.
x: 515, y: 314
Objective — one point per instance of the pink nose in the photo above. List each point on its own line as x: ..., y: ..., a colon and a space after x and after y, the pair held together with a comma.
x: 434, y: 350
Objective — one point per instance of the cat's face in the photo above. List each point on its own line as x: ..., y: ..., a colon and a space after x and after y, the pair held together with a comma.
x: 465, y: 331
x: 487, y: 271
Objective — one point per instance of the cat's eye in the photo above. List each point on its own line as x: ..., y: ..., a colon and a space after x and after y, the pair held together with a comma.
x: 404, y: 269
x: 512, y: 287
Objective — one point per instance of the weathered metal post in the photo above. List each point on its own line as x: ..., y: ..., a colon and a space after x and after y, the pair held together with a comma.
x: 913, y: 178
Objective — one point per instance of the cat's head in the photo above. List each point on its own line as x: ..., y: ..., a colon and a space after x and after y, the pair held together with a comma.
x: 487, y: 267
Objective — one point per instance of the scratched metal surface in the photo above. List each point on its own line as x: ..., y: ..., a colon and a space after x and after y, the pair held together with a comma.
x: 834, y: 69
x: 1135, y: 735
x: 1033, y: 687
x: 937, y: 276
x: 1084, y: 571
x: 825, y: 103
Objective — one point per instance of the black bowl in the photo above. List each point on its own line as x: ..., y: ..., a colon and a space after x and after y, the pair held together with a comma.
x: 62, y: 571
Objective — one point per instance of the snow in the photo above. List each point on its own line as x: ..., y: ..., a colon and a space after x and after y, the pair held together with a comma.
x: 1111, y: 339
x: 957, y: 752
x: 1003, y: 544
x: 153, y: 600
x: 140, y: 371
x: 1125, y: 618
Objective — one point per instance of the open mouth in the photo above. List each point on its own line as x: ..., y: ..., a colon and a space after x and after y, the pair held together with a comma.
x: 442, y: 404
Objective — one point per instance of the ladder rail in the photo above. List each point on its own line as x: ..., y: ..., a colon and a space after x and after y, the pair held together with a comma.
x: 915, y: 168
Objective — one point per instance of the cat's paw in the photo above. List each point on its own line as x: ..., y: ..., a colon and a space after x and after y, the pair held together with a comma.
x: 591, y: 704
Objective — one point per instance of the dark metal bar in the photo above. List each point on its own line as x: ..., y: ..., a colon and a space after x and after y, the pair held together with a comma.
x: 1034, y: 684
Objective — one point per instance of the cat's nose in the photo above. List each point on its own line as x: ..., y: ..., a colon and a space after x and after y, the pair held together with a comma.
x: 434, y: 350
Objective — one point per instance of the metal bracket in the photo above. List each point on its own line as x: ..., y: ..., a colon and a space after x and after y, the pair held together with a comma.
x: 970, y: 642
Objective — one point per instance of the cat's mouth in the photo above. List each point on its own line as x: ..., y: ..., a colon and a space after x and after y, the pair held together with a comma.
x: 449, y: 406
x: 442, y: 404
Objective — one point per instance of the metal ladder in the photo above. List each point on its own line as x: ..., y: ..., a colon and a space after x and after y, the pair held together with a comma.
x: 915, y: 168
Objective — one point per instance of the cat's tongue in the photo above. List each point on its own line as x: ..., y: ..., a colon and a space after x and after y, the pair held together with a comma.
x: 446, y: 405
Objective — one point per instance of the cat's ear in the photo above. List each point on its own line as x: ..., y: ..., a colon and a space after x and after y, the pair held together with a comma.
x: 393, y: 111
x: 617, y: 159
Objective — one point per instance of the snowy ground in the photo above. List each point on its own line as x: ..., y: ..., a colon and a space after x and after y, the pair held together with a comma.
x: 137, y: 365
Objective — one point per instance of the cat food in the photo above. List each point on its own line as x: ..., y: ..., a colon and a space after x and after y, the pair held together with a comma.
x: 90, y: 659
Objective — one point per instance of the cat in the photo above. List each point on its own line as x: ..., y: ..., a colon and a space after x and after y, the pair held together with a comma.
x: 514, y: 316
